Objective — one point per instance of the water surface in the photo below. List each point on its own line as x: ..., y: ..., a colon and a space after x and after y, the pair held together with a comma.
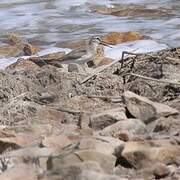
x: 46, y: 22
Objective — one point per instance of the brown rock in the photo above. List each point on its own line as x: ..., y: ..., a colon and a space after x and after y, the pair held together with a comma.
x: 69, y: 129
x: 17, y: 47
x: 48, y: 114
x: 6, y: 134
x: 164, y: 110
x: 19, y: 172
x: 107, y: 162
x: 150, y: 172
x: 131, y: 10
x: 140, y: 107
x: 27, y: 155
x: 167, y: 125
x: 102, y: 144
x: 19, y: 140
x: 30, y: 153
x: 73, y: 171
x: 58, y: 142
x: 161, y: 171
x: 126, y: 173
x: 144, y: 109
x: 36, y: 130
x: 128, y: 127
x: 67, y: 160
x: 107, y: 117
x: 85, y: 131
x: 14, y: 39
x: 121, y: 37
x: 139, y: 11
x: 72, y: 45
x: 103, y: 10
x: 141, y: 154
x: 136, y: 12
x: 24, y: 64
x: 10, y: 51
x: 89, y: 175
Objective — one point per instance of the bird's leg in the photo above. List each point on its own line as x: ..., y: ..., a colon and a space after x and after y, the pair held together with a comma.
x: 41, y: 59
x: 133, y: 62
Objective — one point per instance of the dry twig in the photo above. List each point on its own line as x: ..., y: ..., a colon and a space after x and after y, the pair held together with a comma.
x: 114, y: 99
x: 100, y: 69
x: 173, y: 60
x: 71, y: 111
x: 104, y: 97
x: 153, y: 79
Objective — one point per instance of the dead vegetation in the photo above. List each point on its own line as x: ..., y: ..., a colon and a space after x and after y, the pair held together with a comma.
x: 122, y: 121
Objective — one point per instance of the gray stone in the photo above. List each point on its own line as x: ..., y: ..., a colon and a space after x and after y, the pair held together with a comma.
x: 141, y: 154
x: 107, y: 162
x: 73, y: 67
x: 107, y: 117
x: 46, y: 97
x: 72, y: 171
x: 128, y: 126
x: 161, y: 171
x: 102, y: 144
x: 144, y: 109
x: 89, y: 175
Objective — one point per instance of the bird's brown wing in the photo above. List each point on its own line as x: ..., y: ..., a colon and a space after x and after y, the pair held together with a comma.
x: 75, y: 54
x: 69, y: 58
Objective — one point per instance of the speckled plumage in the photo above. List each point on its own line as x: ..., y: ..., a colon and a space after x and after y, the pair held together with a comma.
x: 94, y: 48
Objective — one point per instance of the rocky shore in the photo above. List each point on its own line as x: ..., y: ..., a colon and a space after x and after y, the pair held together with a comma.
x: 123, y: 123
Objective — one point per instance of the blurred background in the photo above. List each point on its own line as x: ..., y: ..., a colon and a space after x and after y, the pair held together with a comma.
x: 45, y: 22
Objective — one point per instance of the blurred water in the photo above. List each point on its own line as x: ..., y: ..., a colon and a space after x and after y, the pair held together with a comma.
x: 45, y: 22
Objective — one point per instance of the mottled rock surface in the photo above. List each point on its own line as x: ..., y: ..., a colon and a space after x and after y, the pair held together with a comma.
x: 114, y: 126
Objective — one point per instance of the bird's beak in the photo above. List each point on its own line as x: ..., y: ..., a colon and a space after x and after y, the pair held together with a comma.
x: 105, y: 44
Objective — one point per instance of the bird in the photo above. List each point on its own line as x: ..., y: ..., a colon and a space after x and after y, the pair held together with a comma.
x: 81, y: 56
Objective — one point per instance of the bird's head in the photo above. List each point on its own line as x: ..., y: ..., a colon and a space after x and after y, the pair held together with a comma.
x: 94, y: 43
x: 96, y: 40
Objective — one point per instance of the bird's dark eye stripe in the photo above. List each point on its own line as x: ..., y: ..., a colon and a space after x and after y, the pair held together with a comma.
x: 95, y: 38
x: 98, y: 38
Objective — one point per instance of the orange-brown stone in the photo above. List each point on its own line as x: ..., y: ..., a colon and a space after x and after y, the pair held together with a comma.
x: 121, y: 37
x: 26, y: 64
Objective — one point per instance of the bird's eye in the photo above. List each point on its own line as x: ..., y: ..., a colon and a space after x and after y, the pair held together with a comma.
x: 99, y: 38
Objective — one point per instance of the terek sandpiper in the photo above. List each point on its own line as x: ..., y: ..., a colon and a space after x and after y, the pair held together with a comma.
x: 83, y: 55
